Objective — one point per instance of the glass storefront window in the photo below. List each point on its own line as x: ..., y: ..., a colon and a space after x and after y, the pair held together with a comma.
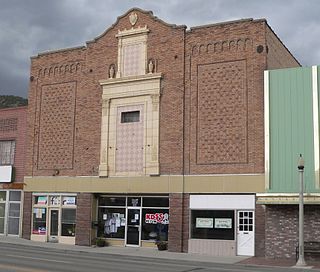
x: 39, y: 221
x: 13, y: 226
x: 14, y: 210
x: 134, y: 201
x: 212, y: 224
x: 155, y: 202
x: 155, y: 224
x: 2, y: 216
x: 54, y: 200
x: 111, y: 222
x: 40, y: 200
x: 3, y: 195
x: 112, y: 201
x: 69, y: 200
x: 68, y: 222
x: 2, y: 209
x: 14, y: 196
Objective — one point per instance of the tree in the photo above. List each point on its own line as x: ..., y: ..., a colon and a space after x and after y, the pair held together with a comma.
x: 10, y: 101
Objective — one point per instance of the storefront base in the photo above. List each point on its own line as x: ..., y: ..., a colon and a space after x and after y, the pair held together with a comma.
x: 213, y: 247
x: 222, y: 224
x: 282, y: 229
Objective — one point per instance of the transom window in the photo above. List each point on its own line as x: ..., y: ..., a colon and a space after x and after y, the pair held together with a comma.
x: 130, y: 116
x: 7, y: 149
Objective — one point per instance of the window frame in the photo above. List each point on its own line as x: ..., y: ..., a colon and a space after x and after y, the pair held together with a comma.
x: 6, y: 159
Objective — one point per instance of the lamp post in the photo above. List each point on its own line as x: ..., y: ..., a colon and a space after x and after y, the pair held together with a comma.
x: 301, y: 262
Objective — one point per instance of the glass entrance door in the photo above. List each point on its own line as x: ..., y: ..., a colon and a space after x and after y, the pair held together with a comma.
x: 54, y: 225
x: 133, y: 227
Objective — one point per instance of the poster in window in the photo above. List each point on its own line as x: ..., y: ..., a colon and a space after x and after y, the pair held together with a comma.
x: 42, y: 200
x: 223, y: 223
x: 54, y: 200
x: 38, y: 213
x: 69, y: 200
x: 204, y: 223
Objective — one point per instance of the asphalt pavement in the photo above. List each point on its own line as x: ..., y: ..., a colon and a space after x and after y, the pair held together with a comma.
x: 135, y: 257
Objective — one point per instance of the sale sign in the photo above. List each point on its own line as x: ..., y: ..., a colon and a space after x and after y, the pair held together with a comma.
x: 157, y: 218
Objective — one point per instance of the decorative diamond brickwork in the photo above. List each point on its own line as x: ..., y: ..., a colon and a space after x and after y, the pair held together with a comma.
x: 130, y: 138
x: 222, y: 118
x: 57, y: 126
x: 132, y: 55
x: 8, y: 124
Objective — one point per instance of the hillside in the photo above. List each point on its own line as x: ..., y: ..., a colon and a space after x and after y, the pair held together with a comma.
x: 9, y: 101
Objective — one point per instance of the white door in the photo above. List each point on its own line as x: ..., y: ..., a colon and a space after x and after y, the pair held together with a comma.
x: 245, y: 233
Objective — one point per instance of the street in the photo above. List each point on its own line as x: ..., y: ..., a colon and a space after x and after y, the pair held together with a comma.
x: 22, y: 258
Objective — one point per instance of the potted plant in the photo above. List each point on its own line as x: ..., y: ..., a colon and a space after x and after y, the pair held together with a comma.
x: 162, y: 245
x: 100, y: 242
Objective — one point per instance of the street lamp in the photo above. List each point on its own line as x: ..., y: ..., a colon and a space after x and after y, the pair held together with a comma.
x: 301, y: 262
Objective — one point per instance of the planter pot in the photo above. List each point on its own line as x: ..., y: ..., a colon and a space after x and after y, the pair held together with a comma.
x: 162, y: 246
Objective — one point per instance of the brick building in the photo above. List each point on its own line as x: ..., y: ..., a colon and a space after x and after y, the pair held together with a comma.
x: 146, y: 120
x: 292, y: 128
x: 13, y: 126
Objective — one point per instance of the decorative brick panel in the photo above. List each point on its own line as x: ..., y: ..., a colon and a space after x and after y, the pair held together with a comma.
x: 84, y: 219
x: 27, y: 215
x: 130, y: 141
x: 222, y: 113
x: 57, y: 126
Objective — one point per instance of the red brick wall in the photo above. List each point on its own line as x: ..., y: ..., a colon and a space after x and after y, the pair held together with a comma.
x: 13, y: 127
x: 260, y: 224
x: 278, y: 55
x: 84, y: 219
x: 66, y: 136
x: 27, y: 215
x: 179, y: 223
x: 282, y: 229
x: 224, y: 98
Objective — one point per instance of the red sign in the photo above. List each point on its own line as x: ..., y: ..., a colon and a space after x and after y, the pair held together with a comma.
x: 157, y: 218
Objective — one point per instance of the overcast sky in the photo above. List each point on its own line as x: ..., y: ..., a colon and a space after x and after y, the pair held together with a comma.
x: 28, y: 27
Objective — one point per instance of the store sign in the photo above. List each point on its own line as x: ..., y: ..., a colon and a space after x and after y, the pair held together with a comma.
x: 42, y: 200
x: 223, y: 223
x: 204, y: 223
x: 69, y: 200
x: 54, y: 200
x: 157, y: 218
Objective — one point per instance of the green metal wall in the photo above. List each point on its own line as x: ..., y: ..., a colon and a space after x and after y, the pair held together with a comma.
x: 291, y: 129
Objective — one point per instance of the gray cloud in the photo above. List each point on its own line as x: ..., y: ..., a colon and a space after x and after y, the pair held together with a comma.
x: 32, y: 26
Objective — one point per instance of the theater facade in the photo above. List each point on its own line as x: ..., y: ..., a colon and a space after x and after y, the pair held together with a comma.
x: 152, y: 132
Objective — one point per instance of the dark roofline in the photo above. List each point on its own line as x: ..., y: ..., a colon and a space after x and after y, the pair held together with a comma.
x: 227, y: 23
x: 14, y: 108
x: 58, y: 51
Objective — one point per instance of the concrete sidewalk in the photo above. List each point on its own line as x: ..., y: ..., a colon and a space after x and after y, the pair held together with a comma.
x: 126, y: 251
x: 154, y: 253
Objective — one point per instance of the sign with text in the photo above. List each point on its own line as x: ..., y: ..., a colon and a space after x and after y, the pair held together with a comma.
x: 223, y: 223
x: 204, y: 223
x: 157, y: 218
